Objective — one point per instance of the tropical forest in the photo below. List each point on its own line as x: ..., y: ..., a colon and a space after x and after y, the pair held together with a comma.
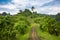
x: 29, y: 25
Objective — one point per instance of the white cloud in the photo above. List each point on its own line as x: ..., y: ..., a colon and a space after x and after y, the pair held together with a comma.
x: 49, y: 10
x: 22, y: 4
x: 8, y: 6
x: 39, y: 2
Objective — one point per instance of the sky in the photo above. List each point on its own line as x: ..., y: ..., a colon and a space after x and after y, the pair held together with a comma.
x: 51, y: 7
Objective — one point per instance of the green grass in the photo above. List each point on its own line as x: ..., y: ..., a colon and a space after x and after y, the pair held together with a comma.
x: 25, y: 36
x: 22, y: 37
x: 46, y: 35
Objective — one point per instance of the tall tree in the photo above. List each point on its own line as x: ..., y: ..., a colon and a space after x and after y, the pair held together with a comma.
x: 32, y: 8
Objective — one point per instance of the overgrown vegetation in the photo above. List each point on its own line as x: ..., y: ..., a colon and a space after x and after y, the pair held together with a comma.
x: 16, y: 27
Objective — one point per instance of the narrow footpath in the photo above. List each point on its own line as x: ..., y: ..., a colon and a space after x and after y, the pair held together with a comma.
x: 33, y: 34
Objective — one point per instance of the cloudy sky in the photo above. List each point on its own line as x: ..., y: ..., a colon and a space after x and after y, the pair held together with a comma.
x: 41, y: 6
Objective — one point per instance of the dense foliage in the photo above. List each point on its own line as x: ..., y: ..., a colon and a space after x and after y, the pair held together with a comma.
x: 49, y: 25
x: 11, y: 25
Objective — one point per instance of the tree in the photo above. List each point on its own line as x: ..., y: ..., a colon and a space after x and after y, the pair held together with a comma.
x: 4, y: 13
x: 58, y: 17
x: 20, y: 11
x: 32, y: 8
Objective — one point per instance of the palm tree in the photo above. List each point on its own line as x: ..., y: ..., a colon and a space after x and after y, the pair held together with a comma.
x: 32, y: 8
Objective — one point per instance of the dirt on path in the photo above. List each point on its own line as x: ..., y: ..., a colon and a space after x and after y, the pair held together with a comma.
x: 33, y: 34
